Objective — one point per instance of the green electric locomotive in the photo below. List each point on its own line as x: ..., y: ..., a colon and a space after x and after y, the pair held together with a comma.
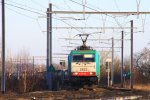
x: 84, y: 65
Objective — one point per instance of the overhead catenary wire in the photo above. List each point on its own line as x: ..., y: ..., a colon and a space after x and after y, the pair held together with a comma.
x: 67, y: 18
x: 20, y: 4
x: 119, y: 23
x: 19, y: 7
x: 104, y: 12
x: 36, y: 19
x: 21, y: 13
x: 81, y: 4
x: 117, y: 5
x: 98, y: 11
x: 69, y: 23
x: 37, y: 3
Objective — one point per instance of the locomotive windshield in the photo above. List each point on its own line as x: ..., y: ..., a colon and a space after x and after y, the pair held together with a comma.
x: 77, y: 58
x: 84, y: 58
x: 89, y: 58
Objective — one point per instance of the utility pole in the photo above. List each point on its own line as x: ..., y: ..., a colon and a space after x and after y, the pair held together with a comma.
x: 49, y: 36
x: 50, y: 26
x: 49, y: 46
x: 131, y: 67
x: 122, y: 63
x: 48, y: 17
x: 112, y: 67
x: 3, y: 48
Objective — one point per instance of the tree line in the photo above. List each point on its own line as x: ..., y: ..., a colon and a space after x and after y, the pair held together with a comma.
x: 24, y: 76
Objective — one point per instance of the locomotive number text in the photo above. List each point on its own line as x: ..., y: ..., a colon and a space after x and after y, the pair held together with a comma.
x: 83, y: 69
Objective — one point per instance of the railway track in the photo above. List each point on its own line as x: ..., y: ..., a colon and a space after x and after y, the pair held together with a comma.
x: 86, y: 92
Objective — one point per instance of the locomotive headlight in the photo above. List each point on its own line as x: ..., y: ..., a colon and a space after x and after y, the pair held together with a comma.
x: 76, y: 73
x: 91, y: 73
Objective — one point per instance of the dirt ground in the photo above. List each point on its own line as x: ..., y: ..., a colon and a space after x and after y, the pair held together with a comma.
x: 82, y: 93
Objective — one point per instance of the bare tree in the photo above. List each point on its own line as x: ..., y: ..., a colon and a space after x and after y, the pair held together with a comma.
x: 142, y: 62
x: 142, y: 59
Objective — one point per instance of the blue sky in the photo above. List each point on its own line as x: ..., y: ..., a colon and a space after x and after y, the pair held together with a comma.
x: 24, y: 28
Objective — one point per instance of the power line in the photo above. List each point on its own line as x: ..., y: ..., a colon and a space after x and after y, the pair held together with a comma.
x: 109, y: 16
x: 26, y: 16
x: 24, y: 9
x: 104, y: 12
x: 94, y: 7
x: 68, y: 24
x: 24, y: 5
x: 67, y: 18
x: 39, y: 25
x: 81, y: 13
x: 91, y: 8
x: 127, y: 13
x: 21, y: 13
x: 37, y: 3
x: 97, y: 10
x: 67, y: 5
x: 117, y: 5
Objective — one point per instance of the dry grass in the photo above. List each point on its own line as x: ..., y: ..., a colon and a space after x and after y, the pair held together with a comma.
x: 145, y: 87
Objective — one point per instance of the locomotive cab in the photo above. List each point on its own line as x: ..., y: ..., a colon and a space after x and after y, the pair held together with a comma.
x: 84, y: 66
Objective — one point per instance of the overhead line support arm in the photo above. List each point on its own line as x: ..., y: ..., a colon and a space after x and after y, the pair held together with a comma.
x: 98, y: 12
